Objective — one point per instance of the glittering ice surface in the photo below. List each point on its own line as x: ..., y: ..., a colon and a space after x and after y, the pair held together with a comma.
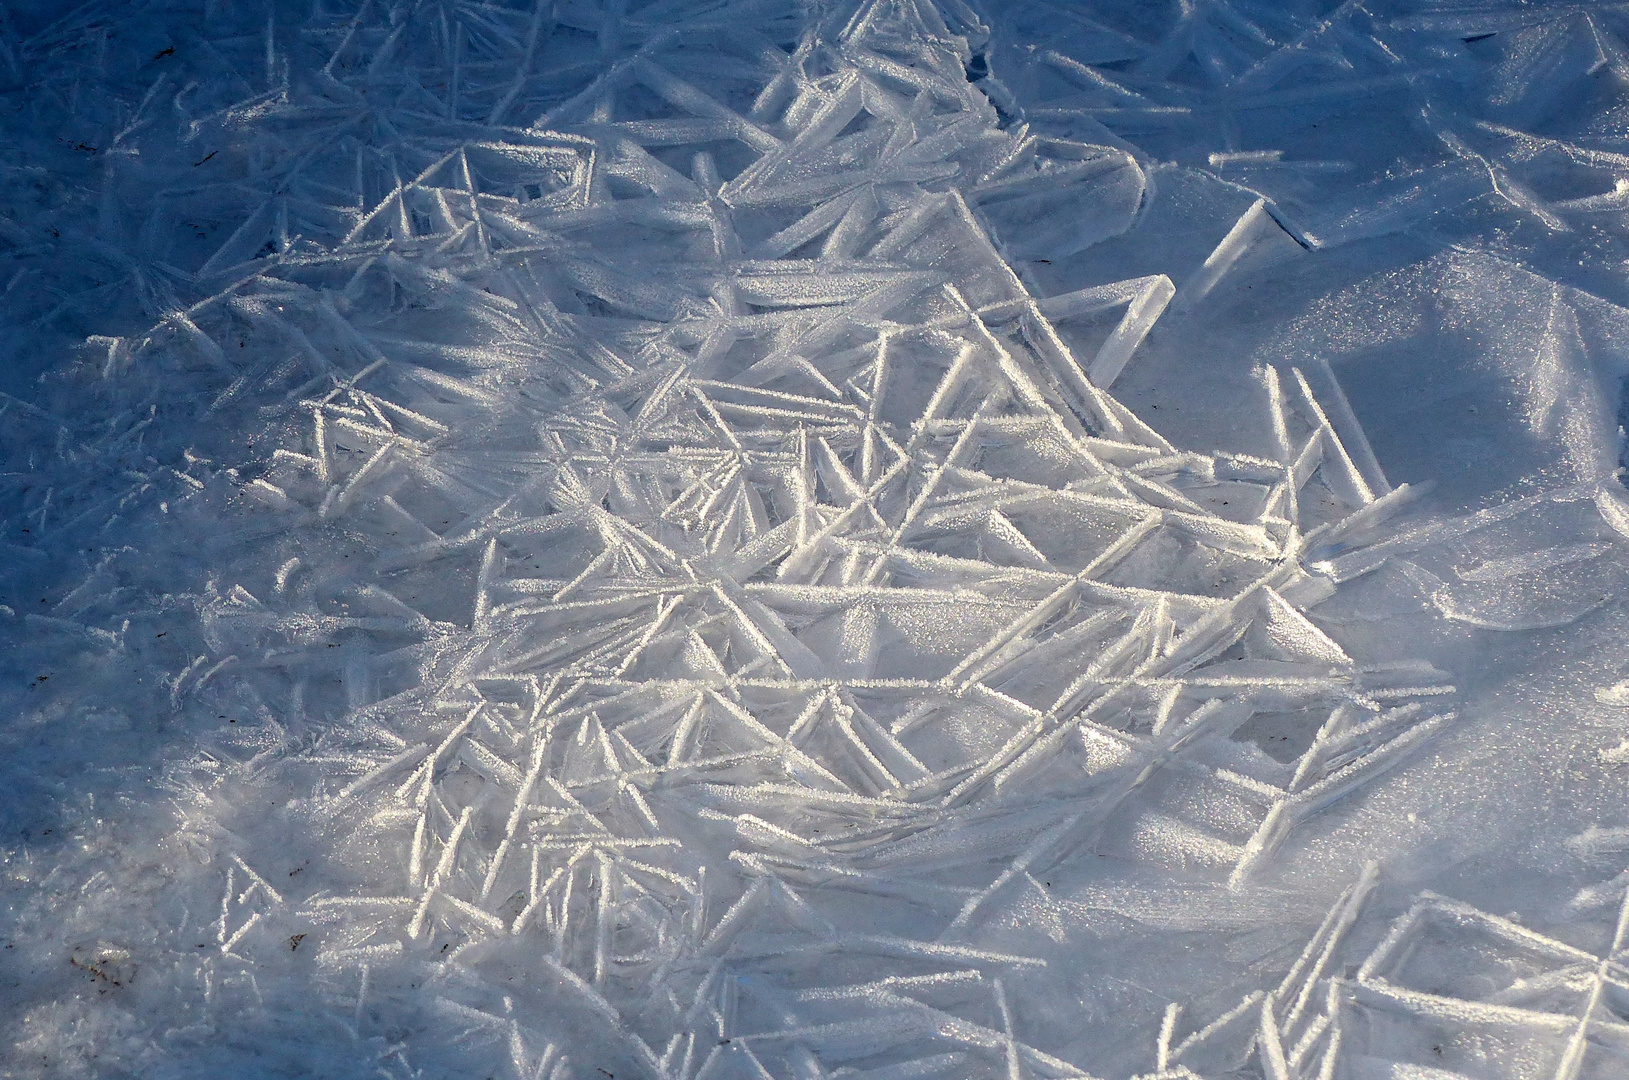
x: 876, y: 539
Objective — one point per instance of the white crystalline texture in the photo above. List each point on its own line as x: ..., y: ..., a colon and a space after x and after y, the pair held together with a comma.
x: 560, y: 538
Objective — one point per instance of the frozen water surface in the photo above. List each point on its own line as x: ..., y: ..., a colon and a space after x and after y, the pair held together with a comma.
x: 876, y: 539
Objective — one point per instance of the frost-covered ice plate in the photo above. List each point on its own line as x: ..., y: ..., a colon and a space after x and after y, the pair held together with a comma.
x: 781, y: 540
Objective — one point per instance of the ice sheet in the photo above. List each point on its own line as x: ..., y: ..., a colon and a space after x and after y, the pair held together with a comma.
x: 710, y: 539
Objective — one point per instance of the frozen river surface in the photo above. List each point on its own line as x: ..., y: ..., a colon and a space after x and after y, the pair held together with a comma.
x: 814, y: 539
